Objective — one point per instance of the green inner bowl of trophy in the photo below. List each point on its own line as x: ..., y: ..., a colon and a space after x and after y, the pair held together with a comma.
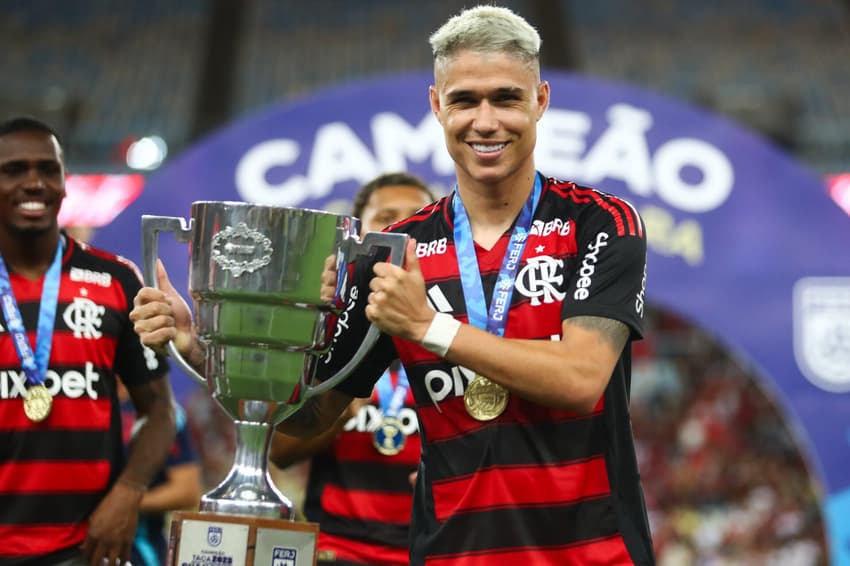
x: 272, y: 326
x: 244, y: 373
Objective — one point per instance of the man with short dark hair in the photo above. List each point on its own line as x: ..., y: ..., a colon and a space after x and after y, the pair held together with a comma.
x: 67, y: 496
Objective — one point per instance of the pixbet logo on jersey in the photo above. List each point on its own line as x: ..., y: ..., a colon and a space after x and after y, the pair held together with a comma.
x: 72, y: 384
x: 441, y: 384
x: 369, y: 417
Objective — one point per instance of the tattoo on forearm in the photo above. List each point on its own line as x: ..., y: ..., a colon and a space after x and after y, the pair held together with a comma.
x: 612, y: 331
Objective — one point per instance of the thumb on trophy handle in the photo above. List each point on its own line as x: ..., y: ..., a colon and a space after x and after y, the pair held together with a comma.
x: 411, y: 260
x: 162, y: 280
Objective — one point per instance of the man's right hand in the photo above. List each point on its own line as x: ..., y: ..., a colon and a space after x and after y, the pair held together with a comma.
x: 161, y: 315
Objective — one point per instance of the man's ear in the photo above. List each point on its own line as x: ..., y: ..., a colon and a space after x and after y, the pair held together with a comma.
x: 434, y: 99
x: 542, y: 98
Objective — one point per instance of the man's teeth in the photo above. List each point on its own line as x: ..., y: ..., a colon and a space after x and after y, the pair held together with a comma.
x: 482, y: 148
x: 33, y: 205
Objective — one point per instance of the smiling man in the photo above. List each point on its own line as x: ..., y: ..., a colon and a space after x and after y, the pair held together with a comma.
x: 521, y: 376
x: 66, y: 496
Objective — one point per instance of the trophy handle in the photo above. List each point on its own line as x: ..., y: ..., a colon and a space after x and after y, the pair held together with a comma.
x: 396, y: 243
x: 151, y: 227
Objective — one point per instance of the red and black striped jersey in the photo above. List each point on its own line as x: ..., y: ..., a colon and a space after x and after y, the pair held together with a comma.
x: 360, y: 497
x: 536, y: 485
x: 53, y: 473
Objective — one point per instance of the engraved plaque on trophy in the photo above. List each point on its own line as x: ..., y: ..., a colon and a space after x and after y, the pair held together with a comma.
x: 255, y: 281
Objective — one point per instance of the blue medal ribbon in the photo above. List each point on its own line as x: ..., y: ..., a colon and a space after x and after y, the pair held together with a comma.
x: 391, y: 399
x: 33, y: 364
x: 470, y: 274
x: 389, y: 438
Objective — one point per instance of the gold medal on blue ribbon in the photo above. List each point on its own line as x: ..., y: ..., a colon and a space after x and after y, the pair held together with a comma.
x: 37, y: 399
x: 484, y: 399
x: 37, y: 403
x: 389, y: 438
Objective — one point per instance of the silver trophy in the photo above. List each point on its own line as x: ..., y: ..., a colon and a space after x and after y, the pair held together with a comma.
x: 255, y: 279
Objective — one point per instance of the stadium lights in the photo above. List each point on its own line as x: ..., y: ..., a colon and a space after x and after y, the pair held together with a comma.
x: 146, y: 153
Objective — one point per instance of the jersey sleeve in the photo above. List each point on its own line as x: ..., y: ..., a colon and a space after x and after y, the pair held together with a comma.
x: 351, y: 327
x: 609, y: 278
x: 134, y: 362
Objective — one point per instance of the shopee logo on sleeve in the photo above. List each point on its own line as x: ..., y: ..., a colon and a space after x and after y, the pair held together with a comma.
x: 588, y: 266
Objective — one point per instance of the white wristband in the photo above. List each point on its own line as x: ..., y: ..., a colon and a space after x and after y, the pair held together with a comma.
x: 441, y: 334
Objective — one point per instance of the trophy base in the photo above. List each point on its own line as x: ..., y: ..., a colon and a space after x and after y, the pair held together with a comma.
x: 201, y: 539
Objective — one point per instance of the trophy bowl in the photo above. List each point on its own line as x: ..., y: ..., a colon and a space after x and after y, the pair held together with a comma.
x: 255, y: 282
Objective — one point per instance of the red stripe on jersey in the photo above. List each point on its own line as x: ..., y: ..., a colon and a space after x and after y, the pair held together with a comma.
x: 367, y: 505
x: 361, y: 552
x: 66, y: 413
x: 111, y: 297
x: 53, y: 477
x: 452, y: 421
x: 516, y: 486
x: 20, y: 540
x: 440, y: 266
x: 609, y: 551
x: 358, y: 447
x: 630, y: 213
x: 414, y: 353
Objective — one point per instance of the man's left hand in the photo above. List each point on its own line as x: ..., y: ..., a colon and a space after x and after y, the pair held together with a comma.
x: 112, y: 526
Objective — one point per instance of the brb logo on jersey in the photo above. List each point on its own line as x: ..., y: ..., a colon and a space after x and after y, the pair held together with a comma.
x: 84, y: 317
x: 543, y: 229
x: 434, y: 247
x: 88, y: 276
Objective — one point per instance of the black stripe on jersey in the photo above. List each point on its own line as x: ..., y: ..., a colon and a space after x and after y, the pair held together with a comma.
x: 530, y: 443
x: 417, y: 217
x: 507, y: 528
x: 55, y: 445
x: 346, y: 527
x: 369, y: 476
x: 64, y: 508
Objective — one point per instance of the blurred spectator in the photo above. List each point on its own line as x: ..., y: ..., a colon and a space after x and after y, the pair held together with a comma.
x: 177, y: 487
x: 724, y: 478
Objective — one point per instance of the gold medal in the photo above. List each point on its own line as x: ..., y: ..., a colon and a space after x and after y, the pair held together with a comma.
x: 485, y: 400
x: 37, y: 403
x: 389, y: 438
